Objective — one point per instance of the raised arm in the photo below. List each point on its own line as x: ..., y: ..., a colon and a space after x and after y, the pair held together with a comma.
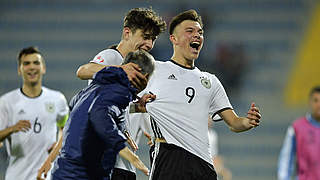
x: 137, y: 79
x: 240, y: 124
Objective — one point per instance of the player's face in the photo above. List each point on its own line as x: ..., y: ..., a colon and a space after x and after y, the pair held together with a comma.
x: 315, y: 105
x: 142, y: 40
x: 188, y: 39
x: 31, y: 69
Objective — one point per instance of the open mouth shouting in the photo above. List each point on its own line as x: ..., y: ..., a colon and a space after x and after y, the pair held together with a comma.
x: 195, y: 45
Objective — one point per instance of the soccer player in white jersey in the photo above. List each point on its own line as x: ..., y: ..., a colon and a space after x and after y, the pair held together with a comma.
x: 140, y: 30
x: 29, y: 117
x: 185, y: 98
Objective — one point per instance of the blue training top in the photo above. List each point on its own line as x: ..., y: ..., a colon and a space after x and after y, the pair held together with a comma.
x: 93, y: 134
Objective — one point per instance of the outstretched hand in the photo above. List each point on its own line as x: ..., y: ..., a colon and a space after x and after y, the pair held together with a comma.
x: 137, y: 79
x: 254, y: 115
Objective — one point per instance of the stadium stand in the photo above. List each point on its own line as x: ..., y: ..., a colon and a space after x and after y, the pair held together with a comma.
x: 70, y: 33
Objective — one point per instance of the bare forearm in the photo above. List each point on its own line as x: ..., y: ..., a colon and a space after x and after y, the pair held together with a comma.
x: 46, y: 166
x: 239, y: 125
x: 5, y: 133
x: 86, y: 71
x: 127, y: 154
x: 54, y: 153
x: 134, y: 160
x: 226, y: 174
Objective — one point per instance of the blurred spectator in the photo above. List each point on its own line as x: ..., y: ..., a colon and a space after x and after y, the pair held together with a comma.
x: 301, y: 148
x: 230, y: 65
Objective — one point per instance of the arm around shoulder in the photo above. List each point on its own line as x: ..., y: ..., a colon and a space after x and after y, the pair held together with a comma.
x: 87, y: 71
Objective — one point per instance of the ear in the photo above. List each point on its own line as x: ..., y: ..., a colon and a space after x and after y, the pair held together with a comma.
x: 126, y: 33
x: 19, y: 71
x: 44, y: 68
x: 173, y: 39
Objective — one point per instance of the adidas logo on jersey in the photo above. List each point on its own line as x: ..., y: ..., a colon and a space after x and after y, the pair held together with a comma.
x: 172, y: 76
x: 21, y: 112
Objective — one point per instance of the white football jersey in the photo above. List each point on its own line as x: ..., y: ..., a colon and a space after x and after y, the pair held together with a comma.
x: 28, y: 150
x: 185, y: 99
x: 136, y: 122
x: 107, y: 57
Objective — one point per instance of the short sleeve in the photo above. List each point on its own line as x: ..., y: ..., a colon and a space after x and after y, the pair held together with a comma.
x: 62, y: 111
x: 108, y: 57
x: 4, y: 114
x: 219, y: 98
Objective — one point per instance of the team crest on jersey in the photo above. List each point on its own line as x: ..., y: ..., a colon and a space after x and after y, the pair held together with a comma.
x: 50, y: 107
x: 205, y: 82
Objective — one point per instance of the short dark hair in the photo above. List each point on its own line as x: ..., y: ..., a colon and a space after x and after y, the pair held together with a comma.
x: 315, y: 89
x: 146, y: 20
x: 186, y: 15
x: 27, y: 51
x: 142, y: 58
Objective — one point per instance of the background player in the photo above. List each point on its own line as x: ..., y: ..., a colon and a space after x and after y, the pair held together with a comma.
x: 301, y: 147
x: 29, y: 117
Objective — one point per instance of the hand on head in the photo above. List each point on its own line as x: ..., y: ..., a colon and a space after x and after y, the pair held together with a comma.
x: 137, y: 79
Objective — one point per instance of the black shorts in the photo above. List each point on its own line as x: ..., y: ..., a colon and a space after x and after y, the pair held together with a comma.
x: 175, y: 163
x: 121, y: 174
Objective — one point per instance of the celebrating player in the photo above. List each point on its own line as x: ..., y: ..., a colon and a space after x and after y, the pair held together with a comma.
x: 185, y: 98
